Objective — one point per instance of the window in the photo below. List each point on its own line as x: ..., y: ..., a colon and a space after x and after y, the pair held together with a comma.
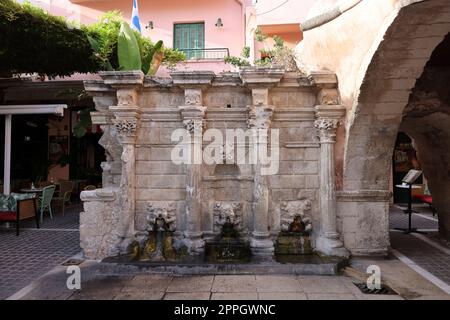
x: 190, y: 38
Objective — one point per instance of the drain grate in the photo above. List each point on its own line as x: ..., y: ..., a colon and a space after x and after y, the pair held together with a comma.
x: 383, y: 290
x: 72, y: 262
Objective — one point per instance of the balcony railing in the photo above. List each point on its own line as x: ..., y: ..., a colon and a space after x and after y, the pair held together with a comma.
x: 206, y: 54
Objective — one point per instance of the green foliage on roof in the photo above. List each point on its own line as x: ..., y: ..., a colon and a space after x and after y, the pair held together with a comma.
x: 33, y: 41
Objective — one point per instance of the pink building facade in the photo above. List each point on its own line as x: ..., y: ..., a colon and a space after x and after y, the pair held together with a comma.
x: 220, y: 28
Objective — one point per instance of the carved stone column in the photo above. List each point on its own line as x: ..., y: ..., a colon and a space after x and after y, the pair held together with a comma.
x: 126, y: 122
x: 193, y: 113
x: 193, y: 122
x: 328, y: 241
x: 260, y: 80
x: 259, y: 121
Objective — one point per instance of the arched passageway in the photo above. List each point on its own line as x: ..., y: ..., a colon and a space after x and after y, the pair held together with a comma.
x: 388, y: 97
x: 426, y: 119
x: 378, y: 50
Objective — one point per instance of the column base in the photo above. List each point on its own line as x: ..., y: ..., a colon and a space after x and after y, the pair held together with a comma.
x: 194, y: 243
x: 262, y: 247
x: 331, y: 247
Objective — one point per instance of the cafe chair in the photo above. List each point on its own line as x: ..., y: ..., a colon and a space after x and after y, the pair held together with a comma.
x: 45, y: 201
x: 12, y: 208
x: 65, y: 192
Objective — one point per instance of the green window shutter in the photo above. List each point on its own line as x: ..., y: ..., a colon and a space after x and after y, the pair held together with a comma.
x: 188, y: 36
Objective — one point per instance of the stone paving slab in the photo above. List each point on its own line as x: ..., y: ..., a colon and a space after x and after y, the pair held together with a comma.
x: 111, y: 281
x: 281, y: 296
x: 323, y: 285
x: 330, y: 296
x: 187, y: 296
x: 243, y: 283
x: 279, y: 284
x: 403, y: 280
x: 231, y: 287
x: 234, y: 296
x: 191, y: 284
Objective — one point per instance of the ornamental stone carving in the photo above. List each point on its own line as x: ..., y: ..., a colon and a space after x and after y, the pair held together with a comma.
x: 328, y: 97
x: 260, y: 117
x: 230, y: 212
x: 260, y: 97
x: 293, y: 209
x: 125, y: 127
x: 193, y: 125
x: 165, y: 211
x: 126, y: 97
x: 193, y: 97
x: 110, y: 143
x: 326, y: 124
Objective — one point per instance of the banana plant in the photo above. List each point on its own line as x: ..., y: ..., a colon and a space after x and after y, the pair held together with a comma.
x: 104, y: 61
x: 128, y: 50
x: 152, y: 58
x: 157, y: 56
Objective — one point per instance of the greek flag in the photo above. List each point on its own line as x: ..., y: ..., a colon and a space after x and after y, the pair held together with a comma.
x: 135, y: 24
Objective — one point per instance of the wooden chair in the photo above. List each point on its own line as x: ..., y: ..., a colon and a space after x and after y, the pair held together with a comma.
x: 12, y: 208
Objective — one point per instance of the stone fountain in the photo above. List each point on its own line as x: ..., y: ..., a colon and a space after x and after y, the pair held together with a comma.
x: 296, y: 226
x: 156, y: 243
x: 155, y: 208
x: 228, y: 245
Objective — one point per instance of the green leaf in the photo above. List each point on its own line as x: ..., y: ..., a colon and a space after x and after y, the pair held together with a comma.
x: 94, y: 43
x: 85, y: 122
x: 158, y: 46
x: 128, y: 49
x: 79, y: 131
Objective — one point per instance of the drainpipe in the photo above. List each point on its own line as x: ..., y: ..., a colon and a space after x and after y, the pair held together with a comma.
x: 329, y: 15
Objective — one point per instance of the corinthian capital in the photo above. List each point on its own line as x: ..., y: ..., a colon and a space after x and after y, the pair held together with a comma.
x: 324, y: 124
x: 193, y: 125
x: 125, y: 126
x: 327, y: 129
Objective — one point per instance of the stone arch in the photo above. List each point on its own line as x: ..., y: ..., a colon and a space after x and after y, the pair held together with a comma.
x: 376, y: 115
x: 391, y: 74
x: 377, y: 49
x: 426, y: 119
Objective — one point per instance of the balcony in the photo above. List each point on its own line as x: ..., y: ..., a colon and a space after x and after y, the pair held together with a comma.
x: 206, y: 54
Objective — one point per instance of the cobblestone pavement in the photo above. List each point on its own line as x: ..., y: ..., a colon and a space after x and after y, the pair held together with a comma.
x: 422, y: 219
x: 36, y: 251
x: 416, y: 247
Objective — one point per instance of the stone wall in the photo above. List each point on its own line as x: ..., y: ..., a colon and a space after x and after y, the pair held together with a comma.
x: 378, y: 50
x: 139, y: 114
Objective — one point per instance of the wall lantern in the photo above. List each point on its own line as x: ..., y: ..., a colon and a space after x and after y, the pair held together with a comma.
x: 219, y: 23
x: 149, y: 25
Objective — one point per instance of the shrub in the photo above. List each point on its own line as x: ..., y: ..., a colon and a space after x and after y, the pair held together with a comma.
x: 33, y: 41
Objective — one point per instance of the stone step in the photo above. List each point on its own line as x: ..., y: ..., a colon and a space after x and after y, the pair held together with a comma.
x: 311, y: 265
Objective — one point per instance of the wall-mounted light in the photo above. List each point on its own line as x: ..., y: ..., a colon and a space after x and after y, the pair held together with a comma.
x: 219, y: 23
x: 149, y: 25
